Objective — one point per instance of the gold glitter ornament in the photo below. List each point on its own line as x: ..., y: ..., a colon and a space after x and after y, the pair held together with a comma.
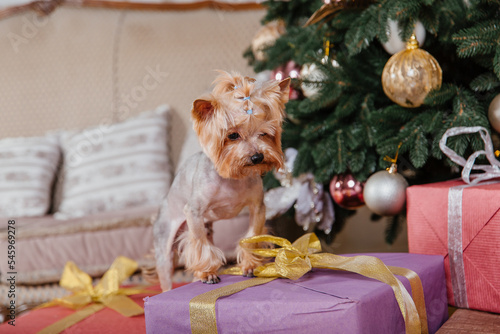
x: 410, y: 75
x: 265, y: 37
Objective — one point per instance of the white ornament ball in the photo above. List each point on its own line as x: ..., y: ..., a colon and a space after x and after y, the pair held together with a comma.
x: 311, y: 72
x: 494, y: 113
x: 395, y: 44
x: 385, y: 193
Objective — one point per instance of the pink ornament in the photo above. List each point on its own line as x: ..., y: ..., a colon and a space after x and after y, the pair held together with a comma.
x: 346, y: 191
x: 292, y: 70
x: 278, y: 74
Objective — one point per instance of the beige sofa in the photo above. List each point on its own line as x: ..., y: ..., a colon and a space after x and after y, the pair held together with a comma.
x: 72, y: 75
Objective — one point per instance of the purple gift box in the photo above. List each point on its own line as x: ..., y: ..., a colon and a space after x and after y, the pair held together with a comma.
x: 323, y: 300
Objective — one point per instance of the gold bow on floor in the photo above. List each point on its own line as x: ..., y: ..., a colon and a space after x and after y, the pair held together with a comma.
x: 292, y: 261
x: 107, y: 293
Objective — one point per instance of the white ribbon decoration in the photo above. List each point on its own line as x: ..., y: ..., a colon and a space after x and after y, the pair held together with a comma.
x: 455, y: 194
x: 490, y: 171
x: 312, y: 204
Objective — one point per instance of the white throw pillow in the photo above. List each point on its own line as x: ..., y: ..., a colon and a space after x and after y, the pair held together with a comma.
x: 27, y: 170
x: 112, y: 167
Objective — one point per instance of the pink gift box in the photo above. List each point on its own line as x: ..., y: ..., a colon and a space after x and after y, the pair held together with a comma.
x: 103, y: 321
x: 462, y: 223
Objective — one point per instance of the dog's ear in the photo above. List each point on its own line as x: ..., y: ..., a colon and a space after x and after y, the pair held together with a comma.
x: 252, y: 80
x: 285, y: 89
x: 202, y: 109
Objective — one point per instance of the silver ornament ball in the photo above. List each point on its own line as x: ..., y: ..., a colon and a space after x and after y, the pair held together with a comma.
x: 494, y: 113
x: 313, y: 73
x: 385, y: 193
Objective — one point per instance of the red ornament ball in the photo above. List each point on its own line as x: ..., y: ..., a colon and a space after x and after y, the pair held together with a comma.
x: 346, y: 191
x: 290, y: 69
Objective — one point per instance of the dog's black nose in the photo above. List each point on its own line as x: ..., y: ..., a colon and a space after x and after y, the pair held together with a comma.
x: 257, y: 158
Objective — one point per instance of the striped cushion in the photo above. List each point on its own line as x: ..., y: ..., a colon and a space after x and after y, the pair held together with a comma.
x: 27, y: 169
x: 108, y: 168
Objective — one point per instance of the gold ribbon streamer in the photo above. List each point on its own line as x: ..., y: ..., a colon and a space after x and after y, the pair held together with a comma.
x: 107, y: 293
x: 417, y: 292
x: 202, y: 307
x: 294, y: 260
x: 72, y: 319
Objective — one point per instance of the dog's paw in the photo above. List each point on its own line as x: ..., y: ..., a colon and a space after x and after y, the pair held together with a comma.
x: 249, y: 263
x: 248, y: 272
x: 209, y: 278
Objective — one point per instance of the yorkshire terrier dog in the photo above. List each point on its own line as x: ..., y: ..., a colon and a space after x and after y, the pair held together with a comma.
x: 239, y: 129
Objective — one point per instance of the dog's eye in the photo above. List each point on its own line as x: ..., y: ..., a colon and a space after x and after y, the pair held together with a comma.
x: 234, y: 136
x: 263, y: 134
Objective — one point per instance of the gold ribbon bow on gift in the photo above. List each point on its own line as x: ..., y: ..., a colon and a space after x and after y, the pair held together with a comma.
x: 107, y: 293
x: 293, y: 261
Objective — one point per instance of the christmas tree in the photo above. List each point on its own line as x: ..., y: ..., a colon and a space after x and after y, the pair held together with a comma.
x: 344, y: 121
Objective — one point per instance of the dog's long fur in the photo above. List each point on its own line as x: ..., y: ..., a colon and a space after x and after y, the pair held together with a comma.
x: 239, y: 128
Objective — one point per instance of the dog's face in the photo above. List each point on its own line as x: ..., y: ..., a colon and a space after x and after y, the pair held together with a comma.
x: 239, y: 125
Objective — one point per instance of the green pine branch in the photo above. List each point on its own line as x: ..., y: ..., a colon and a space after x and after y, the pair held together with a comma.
x: 485, y: 82
x: 350, y: 125
x: 481, y: 39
